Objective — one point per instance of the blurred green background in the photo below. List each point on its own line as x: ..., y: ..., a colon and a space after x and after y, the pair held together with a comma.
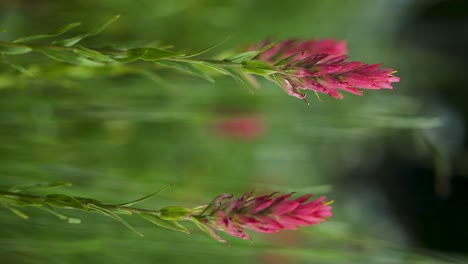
x: 117, y: 137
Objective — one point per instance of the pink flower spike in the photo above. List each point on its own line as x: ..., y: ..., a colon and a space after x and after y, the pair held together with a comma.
x: 265, y: 214
x: 322, y: 66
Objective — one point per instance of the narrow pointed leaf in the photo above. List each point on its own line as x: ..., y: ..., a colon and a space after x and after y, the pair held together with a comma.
x: 187, y: 67
x: 72, y: 41
x: 68, y: 57
x: 16, y: 211
x: 248, y: 55
x: 91, y: 54
x: 60, y: 216
x: 214, y: 67
x: 258, y: 67
x: 199, y: 52
x: 208, y: 231
x: 131, y: 55
x: 16, y: 66
x: 285, y: 60
x: 112, y: 215
x: 174, y: 225
x: 61, y: 200
x: 243, y: 56
x: 145, y: 197
x: 56, y: 184
x: 240, y: 80
x: 55, y: 33
x: 153, y: 54
x: 11, y: 49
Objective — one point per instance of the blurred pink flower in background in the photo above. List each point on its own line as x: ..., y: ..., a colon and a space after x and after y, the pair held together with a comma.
x: 241, y: 126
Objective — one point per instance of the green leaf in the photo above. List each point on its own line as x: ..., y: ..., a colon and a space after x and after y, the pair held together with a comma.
x: 16, y: 66
x: 248, y: 54
x: 240, y: 80
x: 244, y: 56
x: 214, y: 67
x: 2, y: 30
x: 86, y: 201
x: 68, y: 57
x: 174, y: 225
x: 199, y: 52
x: 16, y: 211
x: 51, y: 210
x: 152, y: 54
x: 61, y: 200
x: 130, y: 55
x: 208, y: 231
x: 14, y: 49
x: 91, y: 54
x: 258, y: 67
x: 72, y: 41
x: 285, y: 60
x: 187, y: 67
x: 57, y: 32
x: 145, y: 197
x: 21, y: 69
x: 174, y: 213
x: 56, y: 184
x: 112, y: 215
x: 239, y: 76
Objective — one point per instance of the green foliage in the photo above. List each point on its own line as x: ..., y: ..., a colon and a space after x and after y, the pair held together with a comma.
x: 167, y: 217
x: 248, y: 55
x: 237, y: 66
x: 10, y: 49
x: 40, y: 186
x: 59, y: 31
x: 169, y: 224
x: 72, y: 41
x: 258, y: 67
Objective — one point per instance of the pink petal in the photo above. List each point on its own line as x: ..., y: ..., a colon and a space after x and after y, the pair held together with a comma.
x: 303, y: 198
x: 293, y: 220
x: 284, y: 207
x: 349, y: 66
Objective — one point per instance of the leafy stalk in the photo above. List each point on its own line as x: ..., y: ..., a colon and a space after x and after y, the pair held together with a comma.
x: 72, y: 51
x: 13, y: 199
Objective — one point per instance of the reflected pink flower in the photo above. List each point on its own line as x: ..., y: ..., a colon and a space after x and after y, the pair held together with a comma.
x: 322, y: 66
x: 244, y: 127
x: 264, y: 214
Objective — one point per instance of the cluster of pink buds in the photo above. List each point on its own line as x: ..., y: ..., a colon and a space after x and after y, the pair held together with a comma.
x: 265, y: 214
x: 322, y: 66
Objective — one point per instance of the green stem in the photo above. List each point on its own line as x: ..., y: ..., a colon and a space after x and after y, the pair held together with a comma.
x: 110, y: 51
x: 35, y: 200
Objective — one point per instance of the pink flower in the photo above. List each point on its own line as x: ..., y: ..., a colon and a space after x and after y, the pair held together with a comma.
x: 300, y: 49
x: 242, y: 127
x: 322, y: 66
x: 265, y: 214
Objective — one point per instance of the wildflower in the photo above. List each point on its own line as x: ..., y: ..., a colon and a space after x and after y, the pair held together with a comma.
x: 300, y: 49
x: 322, y: 66
x: 264, y: 214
